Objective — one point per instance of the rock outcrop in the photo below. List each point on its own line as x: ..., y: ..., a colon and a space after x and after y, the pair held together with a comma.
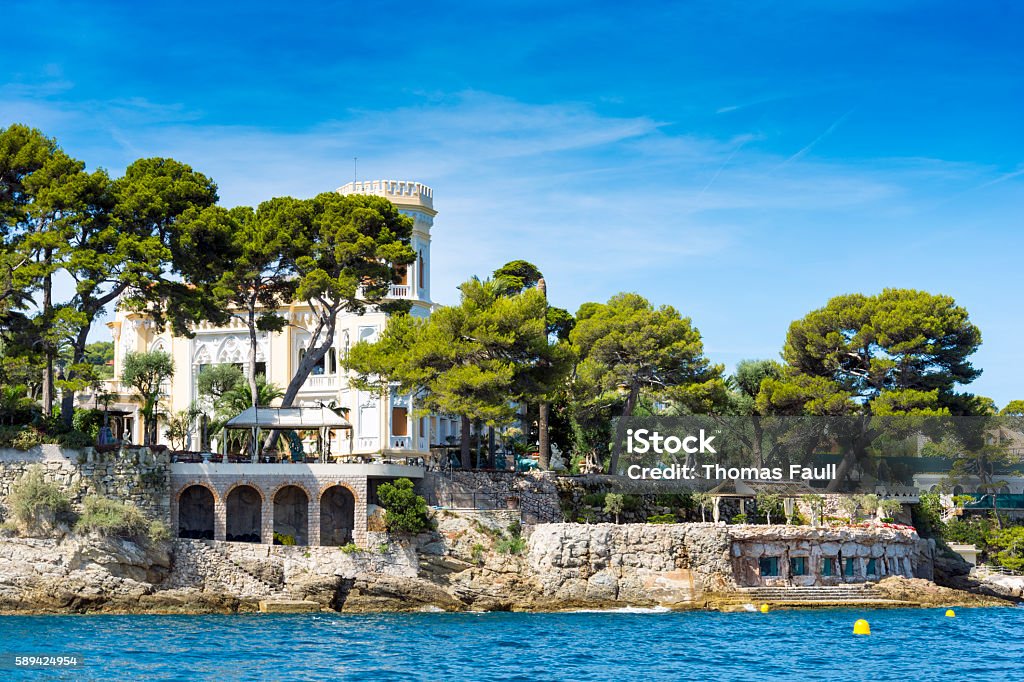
x: 474, y: 561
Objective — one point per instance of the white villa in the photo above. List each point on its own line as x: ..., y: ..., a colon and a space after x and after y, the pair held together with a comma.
x: 379, y: 427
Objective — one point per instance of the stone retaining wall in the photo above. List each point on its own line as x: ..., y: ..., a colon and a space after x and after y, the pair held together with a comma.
x: 250, y: 570
x: 135, y: 475
x: 534, y: 492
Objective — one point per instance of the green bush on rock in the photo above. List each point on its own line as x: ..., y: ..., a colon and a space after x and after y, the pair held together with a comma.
x: 35, y: 502
x: 113, y: 518
x: 404, y: 510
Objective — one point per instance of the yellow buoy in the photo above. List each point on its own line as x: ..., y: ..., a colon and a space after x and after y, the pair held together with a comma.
x: 861, y: 627
x: 950, y: 613
x: 764, y: 608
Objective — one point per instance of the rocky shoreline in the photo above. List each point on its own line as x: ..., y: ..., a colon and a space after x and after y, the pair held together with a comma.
x: 472, y: 562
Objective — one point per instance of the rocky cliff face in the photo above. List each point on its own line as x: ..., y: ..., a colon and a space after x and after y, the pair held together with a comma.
x: 472, y: 562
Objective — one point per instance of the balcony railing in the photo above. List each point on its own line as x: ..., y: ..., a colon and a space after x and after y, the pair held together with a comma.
x: 400, y: 291
x: 401, y: 442
x: 366, y: 443
x: 320, y: 382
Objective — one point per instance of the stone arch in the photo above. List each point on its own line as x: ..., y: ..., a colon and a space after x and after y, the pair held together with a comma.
x: 291, y: 514
x: 196, y: 504
x: 337, y: 514
x: 160, y: 344
x: 244, y: 513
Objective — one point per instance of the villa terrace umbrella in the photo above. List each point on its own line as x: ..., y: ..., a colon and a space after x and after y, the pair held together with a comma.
x: 322, y: 419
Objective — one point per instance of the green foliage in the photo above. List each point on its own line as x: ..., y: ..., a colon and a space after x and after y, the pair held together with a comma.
x: 927, y: 515
x: 594, y: 499
x: 514, y: 545
x: 118, y: 519
x: 1010, y: 542
x: 662, y: 518
x: 405, y: 511
x: 798, y: 519
x: 145, y: 372
x: 476, y: 359
x: 15, y: 405
x: 36, y: 502
x: 180, y: 424
x: 351, y: 548
x: 769, y: 505
x: 477, y: 552
x: 614, y: 504
x: 27, y: 438
x: 739, y: 518
x: 88, y: 422
x: 628, y: 345
x: 282, y: 539
x: 973, y: 530
x: 901, y: 350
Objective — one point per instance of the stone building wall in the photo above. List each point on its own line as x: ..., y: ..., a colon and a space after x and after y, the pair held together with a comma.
x: 136, y: 475
x: 895, y: 552
x: 268, y: 485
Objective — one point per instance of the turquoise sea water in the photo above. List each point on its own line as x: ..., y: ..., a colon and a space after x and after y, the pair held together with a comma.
x: 905, y: 644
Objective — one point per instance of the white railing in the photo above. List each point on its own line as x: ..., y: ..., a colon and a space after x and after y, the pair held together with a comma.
x: 320, y: 382
x: 399, y: 291
x: 401, y: 442
x: 366, y: 443
x: 422, y: 444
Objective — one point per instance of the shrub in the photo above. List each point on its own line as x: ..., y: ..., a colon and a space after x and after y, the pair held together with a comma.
x: 76, y: 440
x: 662, y: 518
x: 613, y: 504
x: 1011, y: 542
x: 514, y: 545
x: 27, y: 438
x: 798, y: 519
x: 739, y: 518
x: 35, y: 502
x: 404, y: 510
x: 350, y: 548
x: 477, y: 552
x: 281, y: 539
x: 114, y: 518
x: 158, y: 531
x: 594, y: 499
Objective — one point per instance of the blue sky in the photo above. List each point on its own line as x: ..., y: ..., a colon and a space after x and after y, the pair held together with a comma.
x: 741, y: 161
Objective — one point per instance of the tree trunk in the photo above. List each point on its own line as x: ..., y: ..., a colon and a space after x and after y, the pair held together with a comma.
x: 67, y: 405
x: 47, y: 348
x: 543, y: 444
x: 620, y: 430
x: 464, y: 450
x: 490, y: 447
x: 253, y: 390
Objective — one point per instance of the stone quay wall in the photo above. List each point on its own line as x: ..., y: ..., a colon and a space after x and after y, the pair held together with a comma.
x: 136, y: 475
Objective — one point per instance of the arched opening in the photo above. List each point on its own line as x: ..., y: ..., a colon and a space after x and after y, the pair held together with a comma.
x: 195, y: 513
x: 244, y: 514
x: 291, y: 516
x: 958, y: 490
x: 337, y: 516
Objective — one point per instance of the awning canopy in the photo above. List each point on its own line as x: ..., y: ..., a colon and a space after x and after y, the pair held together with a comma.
x: 288, y: 418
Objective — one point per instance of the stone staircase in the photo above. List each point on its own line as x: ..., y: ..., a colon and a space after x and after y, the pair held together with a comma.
x: 825, y: 593
x: 199, y: 564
